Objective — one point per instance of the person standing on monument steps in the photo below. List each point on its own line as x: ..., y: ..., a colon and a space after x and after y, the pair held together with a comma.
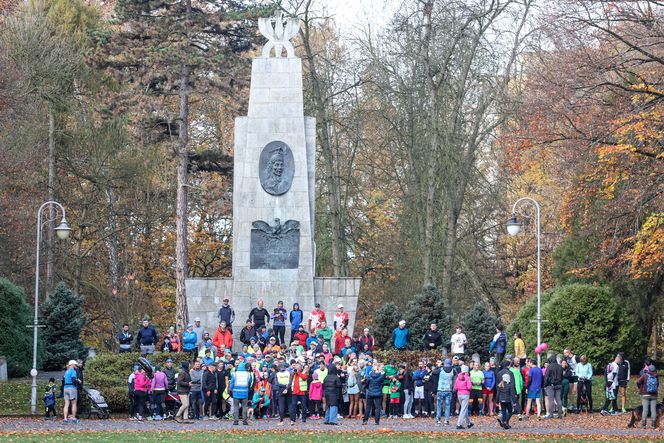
x: 227, y: 314
x: 279, y: 315
x: 340, y: 320
x: 296, y: 317
x: 259, y: 315
x: 316, y: 317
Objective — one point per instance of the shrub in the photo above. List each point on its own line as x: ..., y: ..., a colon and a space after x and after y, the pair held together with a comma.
x: 409, y: 357
x: 588, y: 319
x: 479, y: 327
x: 63, y: 320
x: 109, y: 372
x: 423, y: 309
x: 385, y: 320
x: 15, y: 338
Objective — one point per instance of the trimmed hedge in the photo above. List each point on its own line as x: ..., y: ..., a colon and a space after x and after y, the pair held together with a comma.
x: 109, y: 373
x: 589, y: 319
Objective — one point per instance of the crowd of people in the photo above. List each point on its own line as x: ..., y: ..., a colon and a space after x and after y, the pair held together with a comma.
x: 322, y: 372
x: 325, y: 373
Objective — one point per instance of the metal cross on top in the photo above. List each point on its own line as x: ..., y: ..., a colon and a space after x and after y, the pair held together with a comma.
x: 278, y: 32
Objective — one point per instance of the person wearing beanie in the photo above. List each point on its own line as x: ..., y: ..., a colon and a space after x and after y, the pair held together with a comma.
x: 648, y: 385
x: 183, y: 389
x: 505, y: 396
x: 462, y: 386
x: 444, y: 392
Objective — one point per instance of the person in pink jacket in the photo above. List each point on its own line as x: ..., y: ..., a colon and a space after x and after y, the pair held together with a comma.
x: 159, y: 388
x: 141, y: 387
x: 316, y: 395
x: 462, y: 387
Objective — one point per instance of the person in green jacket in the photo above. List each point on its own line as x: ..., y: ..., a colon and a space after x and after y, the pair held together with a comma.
x: 391, y: 370
x: 326, y: 332
x: 518, y: 383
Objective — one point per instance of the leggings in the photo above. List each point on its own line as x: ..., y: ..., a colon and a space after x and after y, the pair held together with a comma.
x: 374, y: 403
x: 649, y: 403
x: 210, y: 402
x: 139, y: 402
x: 280, y: 332
x: 506, y: 412
x: 408, y: 401
x: 587, y: 387
x: 565, y: 393
x: 158, y: 401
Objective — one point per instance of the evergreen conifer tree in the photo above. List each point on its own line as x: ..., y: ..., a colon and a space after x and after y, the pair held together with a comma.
x: 15, y: 338
x: 425, y: 308
x: 385, y: 320
x: 64, y: 319
x: 480, y: 327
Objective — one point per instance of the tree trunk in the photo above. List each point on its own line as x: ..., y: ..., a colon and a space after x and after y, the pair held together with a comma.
x: 112, y: 244
x: 50, y: 238
x: 181, y: 213
x: 333, y: 188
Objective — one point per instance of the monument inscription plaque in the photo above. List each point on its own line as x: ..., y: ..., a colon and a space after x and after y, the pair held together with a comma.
x: 275, y: 247
x: 276, y: 168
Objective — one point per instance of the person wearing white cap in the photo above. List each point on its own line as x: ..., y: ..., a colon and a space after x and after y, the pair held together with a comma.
x: 340, y: 320
x: 199, y: 330
x: 70, y: 392
x: 462, y: 386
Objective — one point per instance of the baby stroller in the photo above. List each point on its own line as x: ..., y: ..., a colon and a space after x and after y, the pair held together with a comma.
x: 96, y: 404
x: 173, y: 403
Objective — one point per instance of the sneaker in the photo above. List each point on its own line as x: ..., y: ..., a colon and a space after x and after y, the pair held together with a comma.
x: 437, y: 422
x: 447, y: 422
x: 547, y: 416
x: 507, y: 427
x: 470, y: 425
x: 459, y: 427
x: 245, y: 422
x: 624, y: 411
x: 76, y: 420
x: 500, y: 422
x: 292, y: 423
x: 615, y: 413
x: 67, y: 421
x: 364, y: 422
x: 604, y: 412
x: 235, y: 422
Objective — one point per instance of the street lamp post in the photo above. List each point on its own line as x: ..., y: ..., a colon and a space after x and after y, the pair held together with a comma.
x: 513, y: 228
x: 62, y: 231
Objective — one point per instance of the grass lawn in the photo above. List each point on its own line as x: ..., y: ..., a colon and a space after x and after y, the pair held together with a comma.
x: 286, y: 436
x: 15, y: 395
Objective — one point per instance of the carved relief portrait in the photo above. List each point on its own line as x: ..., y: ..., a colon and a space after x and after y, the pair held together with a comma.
x: 276, y: 168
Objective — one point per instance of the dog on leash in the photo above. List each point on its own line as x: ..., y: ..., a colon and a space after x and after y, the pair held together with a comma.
x: 637, y: 415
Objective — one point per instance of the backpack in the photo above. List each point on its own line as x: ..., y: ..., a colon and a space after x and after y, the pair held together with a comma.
x: 652, y: 384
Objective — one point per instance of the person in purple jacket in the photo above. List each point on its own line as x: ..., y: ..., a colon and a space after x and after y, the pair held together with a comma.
x: 534, y: 387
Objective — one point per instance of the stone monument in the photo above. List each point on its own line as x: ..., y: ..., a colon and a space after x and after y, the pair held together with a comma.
x: 273, y: 199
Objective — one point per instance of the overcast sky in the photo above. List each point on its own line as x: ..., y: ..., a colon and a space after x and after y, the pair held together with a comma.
x: 351, y: 14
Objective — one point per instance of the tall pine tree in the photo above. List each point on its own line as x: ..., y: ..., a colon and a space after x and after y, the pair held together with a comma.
x: 165, y: 53
x: 63, y: 319
x: 479, y: 327
x: 423, y: 309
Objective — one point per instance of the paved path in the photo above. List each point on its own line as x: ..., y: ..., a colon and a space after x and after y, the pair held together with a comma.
x: 595, y: 425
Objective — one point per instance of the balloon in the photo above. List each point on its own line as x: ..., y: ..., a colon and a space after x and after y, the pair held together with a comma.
x: 544, y: 346
x: 538, y: 350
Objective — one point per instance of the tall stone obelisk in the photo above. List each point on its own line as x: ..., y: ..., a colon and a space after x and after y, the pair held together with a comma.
x: 273, y: 198
x: 274, y: 178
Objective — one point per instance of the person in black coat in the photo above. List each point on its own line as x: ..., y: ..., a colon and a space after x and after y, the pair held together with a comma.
x: 432, y: 338
x: 331, y: 391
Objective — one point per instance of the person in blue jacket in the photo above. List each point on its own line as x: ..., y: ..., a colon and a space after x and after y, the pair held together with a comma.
x: 189, y: 339
x: 374, y: 394
x: 488, y: 388
x: 400, y: 336
x: 242, y: 381
x: 295, y: 317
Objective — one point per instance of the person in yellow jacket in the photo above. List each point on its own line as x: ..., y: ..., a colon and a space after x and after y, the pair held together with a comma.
x: 519, y: 349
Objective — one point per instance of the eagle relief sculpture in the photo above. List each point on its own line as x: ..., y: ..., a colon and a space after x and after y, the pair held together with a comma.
x: 275, y: 247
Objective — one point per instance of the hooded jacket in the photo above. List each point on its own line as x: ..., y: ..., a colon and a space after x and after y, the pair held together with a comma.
x: 332, y: 387
x: 295, y: 317
x: 554, y: 373
x: 375, y: 384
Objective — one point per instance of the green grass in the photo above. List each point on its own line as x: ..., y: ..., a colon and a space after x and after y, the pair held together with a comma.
x: 16, y: 394
x: 282, y: 436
